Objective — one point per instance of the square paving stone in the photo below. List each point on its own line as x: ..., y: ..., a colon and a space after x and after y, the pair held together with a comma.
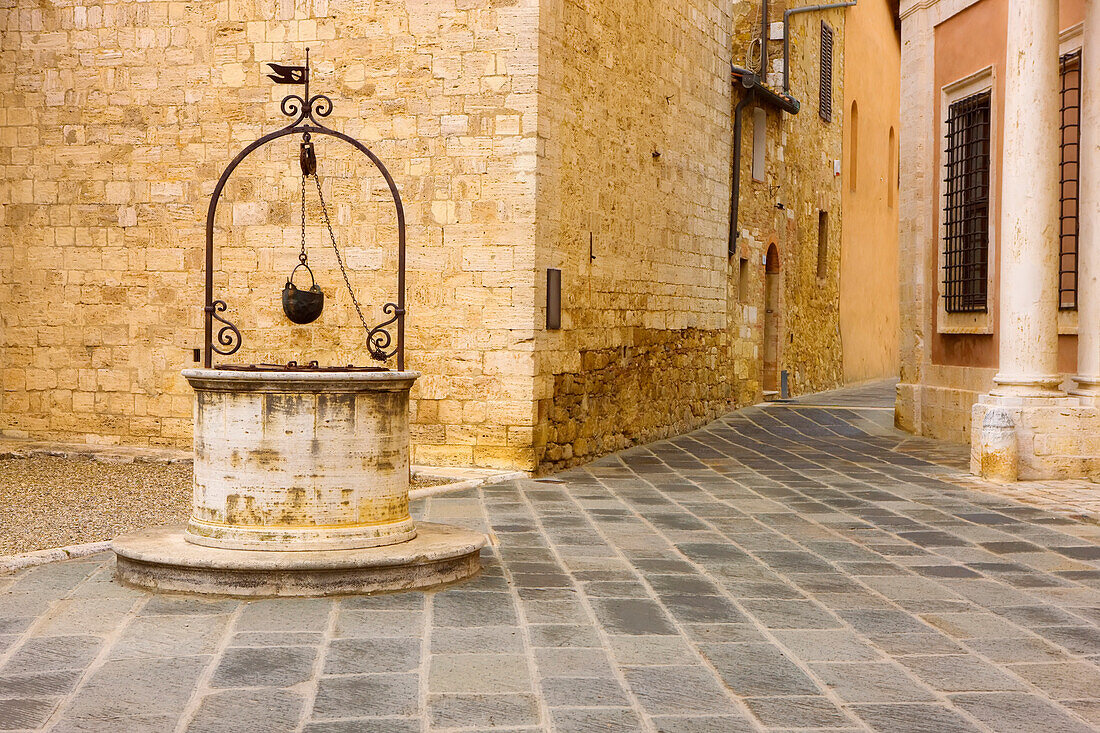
x: 585, y: 692
x: 478, y: 673
x: 859, y: 682
x: 972, y: 625
x: 1077, y: 639
x: 651, y: 650
x: 697, y: 608
x: 15, y: 624
x: 53, y: 652
x: 39, y: 684
x: 572, y: 662
x: 482, y: 711
x: 944, y: 571
x: 914, y: 719
x: 703, y: 724
x: 170, y: 636
x: 688, y: 582
x: 758, y: 670
x: 615, y: 589
x: 1010, y: 547
x: 367, y: 695
x: 465, y: 609
x: 688, y: 689
x: 248, y: 710
x: 631, y: 616
x: 1024, y: 649
x: 136, y: 723
x: 798, y: 712
x: 595, y: 720
x: 366, y: 656
x: 1031, y: 616
x: 1062, y: 680
x: 883, y: 621
x: 778, y: 614
x: 277, y: 638
x: 285, y: 614
x: 271, y: 666
x: 379, y: 623
x: 478, y: 639
x: 20, y: 713
x: 826, y: 645
x: 406, y: 601
x: 554, y: 612
x: 563, y: 635
x: 1086, y: 552
x: 960, y: 674
x: 359, y: 725
x: 136, y: 688
x: 1004, y: 712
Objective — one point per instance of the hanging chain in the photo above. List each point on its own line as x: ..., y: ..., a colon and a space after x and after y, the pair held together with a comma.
x: 302, y: 255
x: 339, y: 259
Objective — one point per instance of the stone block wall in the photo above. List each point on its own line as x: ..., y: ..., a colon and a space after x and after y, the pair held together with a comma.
x: 635, y: 147
x: 633, y: 205
x: 116, y: 120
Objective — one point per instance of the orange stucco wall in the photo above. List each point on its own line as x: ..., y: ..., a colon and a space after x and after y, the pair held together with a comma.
x: 967, y: 43
x: 869, y: 240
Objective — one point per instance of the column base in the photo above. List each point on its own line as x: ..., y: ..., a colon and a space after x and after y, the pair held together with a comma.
x: 1042, y: 386
x: 1055, y: 437
x: 1087, y: 390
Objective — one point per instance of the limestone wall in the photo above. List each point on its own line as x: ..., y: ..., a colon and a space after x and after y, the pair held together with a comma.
x: 660, y: 331
x: 116, y: 120
x: 633, y: 200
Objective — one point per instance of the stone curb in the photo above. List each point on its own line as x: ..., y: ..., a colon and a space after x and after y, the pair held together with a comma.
x: 11, y: 563
x: 99, y: 453
x: 461, y: 485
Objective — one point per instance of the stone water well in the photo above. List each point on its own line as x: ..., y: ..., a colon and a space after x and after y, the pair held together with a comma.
x: 301, y: 482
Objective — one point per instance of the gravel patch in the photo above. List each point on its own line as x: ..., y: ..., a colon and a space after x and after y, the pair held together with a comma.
x: 48, y: 502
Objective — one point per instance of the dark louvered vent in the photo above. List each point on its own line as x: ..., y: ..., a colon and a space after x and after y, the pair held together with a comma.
x: 825, y: 106
x: 966, y: 210
x: 1071, y: 146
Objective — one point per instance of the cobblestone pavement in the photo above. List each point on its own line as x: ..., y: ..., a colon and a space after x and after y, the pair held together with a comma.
x: 787, y: 567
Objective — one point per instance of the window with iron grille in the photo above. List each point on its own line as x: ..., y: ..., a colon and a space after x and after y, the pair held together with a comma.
x: 825, y: 93
x: 1071, y: 142
x: 966, y: 213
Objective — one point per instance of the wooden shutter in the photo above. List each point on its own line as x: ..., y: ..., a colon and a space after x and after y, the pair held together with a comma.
x: 825, y: 103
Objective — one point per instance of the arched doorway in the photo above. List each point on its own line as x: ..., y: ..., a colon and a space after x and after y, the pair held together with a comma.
x: 771, y: 320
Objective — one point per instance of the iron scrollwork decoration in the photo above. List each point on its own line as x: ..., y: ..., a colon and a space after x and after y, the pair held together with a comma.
x: 307, y: 112
x: 228, y: 336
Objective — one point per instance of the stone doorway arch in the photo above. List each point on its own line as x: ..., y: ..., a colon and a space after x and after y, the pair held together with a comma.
x: 772, y: 285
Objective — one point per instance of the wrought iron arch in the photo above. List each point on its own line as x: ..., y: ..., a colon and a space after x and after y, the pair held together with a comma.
x: 305, y: 109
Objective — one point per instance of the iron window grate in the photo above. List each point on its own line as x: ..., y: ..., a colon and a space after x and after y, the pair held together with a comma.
x: 825, y: 93
x: 966, y: 212
x: 1071, y: 146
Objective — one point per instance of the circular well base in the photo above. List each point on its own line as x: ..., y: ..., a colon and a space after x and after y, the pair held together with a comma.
x: 161, y: 559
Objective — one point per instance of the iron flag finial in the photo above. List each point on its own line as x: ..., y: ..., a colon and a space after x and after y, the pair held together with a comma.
x: 288, y: 74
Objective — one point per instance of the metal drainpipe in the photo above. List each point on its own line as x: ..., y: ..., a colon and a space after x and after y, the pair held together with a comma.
x: 787, y: 35
x: 763, y: 39
x: 735, y: 189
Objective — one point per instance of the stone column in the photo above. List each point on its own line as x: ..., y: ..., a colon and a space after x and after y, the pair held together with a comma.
x: 1088, y: 241
x: 1028, y: 327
